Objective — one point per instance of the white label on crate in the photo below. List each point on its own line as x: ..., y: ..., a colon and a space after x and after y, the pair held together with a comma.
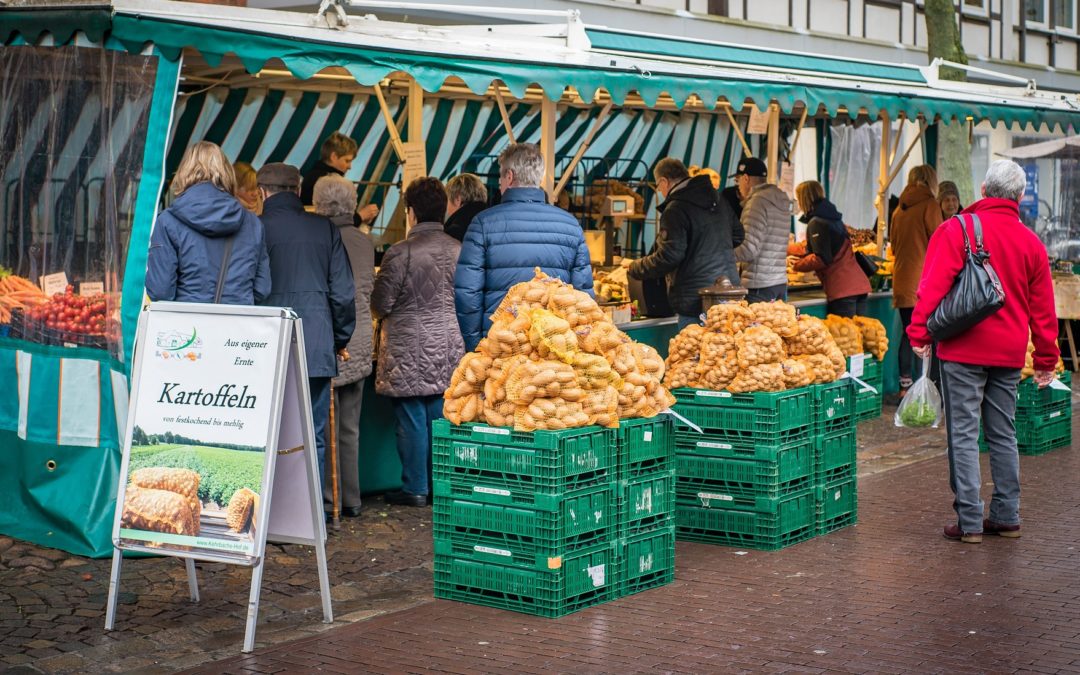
x: 715, y: 446
x: 596, y: 574
x: 492, y: 430
x: 837, y: 495
x: 857, y: 363
x: 707, y: 497
x: 648, y: 436
x: 643, y: 503
x: 1056, y: 414
x: 645, y: 563
x: 490, y: 491
x: 1058, y: 384
x: 493, y: 551
x: 467, y: 453
x: 713, y: 394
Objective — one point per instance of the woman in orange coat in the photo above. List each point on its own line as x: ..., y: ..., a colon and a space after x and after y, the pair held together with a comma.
x: 913, y: 221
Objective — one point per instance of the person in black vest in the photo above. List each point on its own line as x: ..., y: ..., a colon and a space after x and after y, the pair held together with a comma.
x: 466, y: 197
x: 335, y: 158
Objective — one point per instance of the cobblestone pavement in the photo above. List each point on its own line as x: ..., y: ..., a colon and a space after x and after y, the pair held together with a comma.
x: 888, y: 595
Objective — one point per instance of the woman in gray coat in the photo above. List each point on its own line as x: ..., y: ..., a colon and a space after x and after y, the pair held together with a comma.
x: 420, y: 342
x: 335, y: 198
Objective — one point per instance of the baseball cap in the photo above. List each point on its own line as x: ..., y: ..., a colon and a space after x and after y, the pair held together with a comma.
x: 279, y: 174
x: 751, y: 166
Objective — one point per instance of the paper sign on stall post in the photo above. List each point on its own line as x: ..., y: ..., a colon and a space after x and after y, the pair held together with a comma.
x: 88, y: 288
x: 51, y: 284
x: 759, y: 121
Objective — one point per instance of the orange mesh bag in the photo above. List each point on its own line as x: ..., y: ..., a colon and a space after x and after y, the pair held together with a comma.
x: 728, y: 317
x: 602, y: 406
x: 796, y: 374
x: 525, y: 297
x: 552, y: 336
x: 574, y: 306
x: 779, y: 316
x: 719, y: 362
x: 552, y: 414
x: 759, y: 344
x: 685, y: 345
x: 522, y: 380
x: 818, y: 366
x: 846, y: 333
x: 499, y: 413
x: 813, y: 337
x: 600, y: 337
x: 875, y: 339
x: 464, y: 409
x: 836, y: 356
x: 682, y: 374
x: 650, y: 360
x: 760, y: 377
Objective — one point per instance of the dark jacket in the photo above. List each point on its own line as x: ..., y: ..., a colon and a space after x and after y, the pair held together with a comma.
x: 361, y: 252
x: 311, y: 274
x: 830, y: 254
x: 307, y: 186
x: 419, y: 340
x: 458, y: 224
x: 188, y: 243
x: 504, y: 244
x: 913, y: 222
x: 693, y: 246
x: 731, y: 196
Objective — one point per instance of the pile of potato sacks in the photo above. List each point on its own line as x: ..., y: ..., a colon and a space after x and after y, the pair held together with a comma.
x: 552, y: 360
x: 745, y: 348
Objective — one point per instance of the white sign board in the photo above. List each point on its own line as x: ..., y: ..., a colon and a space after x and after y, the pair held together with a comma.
x: 759, y: 121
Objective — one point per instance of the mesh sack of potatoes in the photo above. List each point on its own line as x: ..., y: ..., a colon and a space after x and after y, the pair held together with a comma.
x: 468, y: 408
x: 719, y: 361
x: 685, y: 345
x: 729, y: 317
x: 508, y: 338
x: 650, y: 405
x: 240, y: 509
x: 527, y: 379
x: 469, y: 376
x: 526, y: 296
x: 759, y: 344
x: 576, y: 307
x: 552, y: 336
x: 819, y: 367
x: 813, y: 337
x: 602, y: 406
x: 552, y: 414
x: 183, y: 482
x: 682, y: 374
x: 594, y: 372
x: 650, y: 360
x: 796, y: 374
x: 600, y: 337
x: 875, y: 339
x: 837, y: 358
x: 846, y: 333
x: 779, y: 316
x: 158, y: 511
x: 499, y: 413
x: 760, y: 377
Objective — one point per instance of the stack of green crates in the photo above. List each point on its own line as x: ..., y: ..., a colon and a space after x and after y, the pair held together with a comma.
x: 646, y: 503
x: 868, y: 401
x: 835, y: 485
x: 748, y: 479
x: 526, y: 521
x: 1043, y: 417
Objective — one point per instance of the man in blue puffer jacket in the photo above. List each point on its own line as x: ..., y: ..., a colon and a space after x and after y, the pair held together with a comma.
x: 505, y: 242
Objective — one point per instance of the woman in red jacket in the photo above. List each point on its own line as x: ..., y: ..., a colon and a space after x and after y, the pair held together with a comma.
x: 829, y: 253
x: 980, y: 368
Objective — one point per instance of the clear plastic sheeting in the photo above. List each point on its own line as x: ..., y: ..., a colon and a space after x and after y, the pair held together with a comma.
x: 73, y: 126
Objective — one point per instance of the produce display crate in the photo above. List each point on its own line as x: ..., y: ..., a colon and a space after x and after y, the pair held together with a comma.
x: 872, y: 369
x: 834, y: 405
x: 711, y: 445
x: 747, y: 419
x: 530, y: 538
x: 868, y: 403
x: 835, y: 455
x: 586, y: 578
x: 1030, y: 399
x: 792, y: 470
x: 1038, y: 434
x: 645, y: 445
x: 646, y: 502
x: 836, y: 504
x: 791, y: 520
x: 647, y: 561
x: 522, y: 462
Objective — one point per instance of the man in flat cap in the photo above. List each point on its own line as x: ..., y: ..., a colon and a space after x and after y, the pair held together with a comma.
x: 310, y: 272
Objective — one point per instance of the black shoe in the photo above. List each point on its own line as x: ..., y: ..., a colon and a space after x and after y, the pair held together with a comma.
x: 350, y: 512
x: 401, y: 498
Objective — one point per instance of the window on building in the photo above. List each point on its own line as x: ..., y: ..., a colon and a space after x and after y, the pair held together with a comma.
x: 1065, y: 14
x: 1035, y: 11
x: 718, y: 7
x: 975, y: 4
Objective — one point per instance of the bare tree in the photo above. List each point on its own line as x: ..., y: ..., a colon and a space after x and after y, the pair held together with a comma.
x: 954, y: 148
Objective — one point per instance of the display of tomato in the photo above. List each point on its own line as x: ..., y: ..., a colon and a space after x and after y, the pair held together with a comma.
x: 71, y: 313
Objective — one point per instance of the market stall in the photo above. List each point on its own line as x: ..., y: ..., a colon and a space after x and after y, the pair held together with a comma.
x: 419, y: 100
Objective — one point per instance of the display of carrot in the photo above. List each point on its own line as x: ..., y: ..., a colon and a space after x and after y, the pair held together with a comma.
x: 18, y: 293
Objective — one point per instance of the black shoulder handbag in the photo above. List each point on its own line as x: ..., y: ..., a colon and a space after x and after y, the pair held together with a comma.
x: 868, y: 266
x: 976, y: 292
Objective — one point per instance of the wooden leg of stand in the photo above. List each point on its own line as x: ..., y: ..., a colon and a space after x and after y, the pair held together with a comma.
x: 332, y: 433
x: 1072, y: 345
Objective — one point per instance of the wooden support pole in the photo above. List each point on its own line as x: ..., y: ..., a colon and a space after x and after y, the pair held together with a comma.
x: 569, y: 170
x: 502, y: 112
x: 899, y: 135
x: 883, y: 174
x: 900, y: 165
x: 547, y: 144
x: 416, y: 131
x: 774, y: 143
x: 738, y: 132
x: 798, y: 135
x: 391, y: 127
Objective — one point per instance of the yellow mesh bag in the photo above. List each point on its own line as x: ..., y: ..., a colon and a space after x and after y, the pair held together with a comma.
x: 499, y: 413
x: 796, y: 374
x: 552, y: 336
x: 875, y: 339
x: 157, y: 511
x: 779, y: 316
x: 574, y: 306
x: 685, y: 345
x: 465, y: 409
x: 240, y: 509
x: 600, y: 337
x: 836, y: 356
x: 729, y: 317
x: 594, y: 372
x: 183, y: 482
x: 650, y: 360
x: 759, y: 344
x: 813, y: 337
x: 552, y: 414
x: 719, y: 363
x: 760, y: 377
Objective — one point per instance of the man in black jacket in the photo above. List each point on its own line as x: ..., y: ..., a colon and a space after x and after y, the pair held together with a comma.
x: 694, y: 244
x: 310, y: 272
x: 335, y: 158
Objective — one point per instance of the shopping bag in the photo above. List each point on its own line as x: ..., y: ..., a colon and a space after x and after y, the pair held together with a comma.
x: 921, y: 406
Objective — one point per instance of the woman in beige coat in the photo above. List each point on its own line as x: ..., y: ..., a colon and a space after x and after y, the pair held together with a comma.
x: 913, y: 221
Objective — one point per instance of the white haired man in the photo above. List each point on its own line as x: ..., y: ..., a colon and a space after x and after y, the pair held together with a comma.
x: 505, y: 242
x: 980, y: 368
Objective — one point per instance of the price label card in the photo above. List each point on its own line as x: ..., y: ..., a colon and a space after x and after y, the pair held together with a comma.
x: 857, y: 365
x: 787, y: 179
x: 759, y: 121
x: 52, y: 284
x: 91, y: 288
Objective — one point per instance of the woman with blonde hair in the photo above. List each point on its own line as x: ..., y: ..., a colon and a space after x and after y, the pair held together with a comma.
x: 913, y: 222
x: 206, y: 247
x: 829, y: 253
x: 247, y: 187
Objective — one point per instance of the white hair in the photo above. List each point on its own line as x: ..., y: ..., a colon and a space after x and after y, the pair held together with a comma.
x: 525, y: 160
x: 1006, y: 180
x: 334, y: 196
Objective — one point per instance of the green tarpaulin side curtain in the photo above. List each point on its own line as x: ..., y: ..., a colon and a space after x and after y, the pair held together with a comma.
x: 930, y: 145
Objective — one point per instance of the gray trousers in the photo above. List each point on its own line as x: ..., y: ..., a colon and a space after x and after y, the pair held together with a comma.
x: 970, y: 393
x: 348, y: 400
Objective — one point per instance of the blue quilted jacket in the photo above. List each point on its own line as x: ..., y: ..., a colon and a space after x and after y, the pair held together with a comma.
x: 503, y: 245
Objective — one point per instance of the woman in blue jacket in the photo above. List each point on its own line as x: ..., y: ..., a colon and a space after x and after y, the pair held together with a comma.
x: 205, y: 229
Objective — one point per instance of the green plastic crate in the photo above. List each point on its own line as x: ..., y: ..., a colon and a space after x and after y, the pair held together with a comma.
x: 646, y: 502
x: 760, y: 416
x: 792, y: 470
x: 1037, y: 434
x: 1030, y: 399
x: 712, y: 445
x: 834, y: 405
x: 871, y: 368
x: 647, y: 561
x: 836, y: 504
x: 697, y: 497
x: 530, y: 538
x: 541, y: 461
x: 835, y: 455
x: 867, y: 402
x: 645, y: 444
x: 586, y: 578
x: 791, y: 521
